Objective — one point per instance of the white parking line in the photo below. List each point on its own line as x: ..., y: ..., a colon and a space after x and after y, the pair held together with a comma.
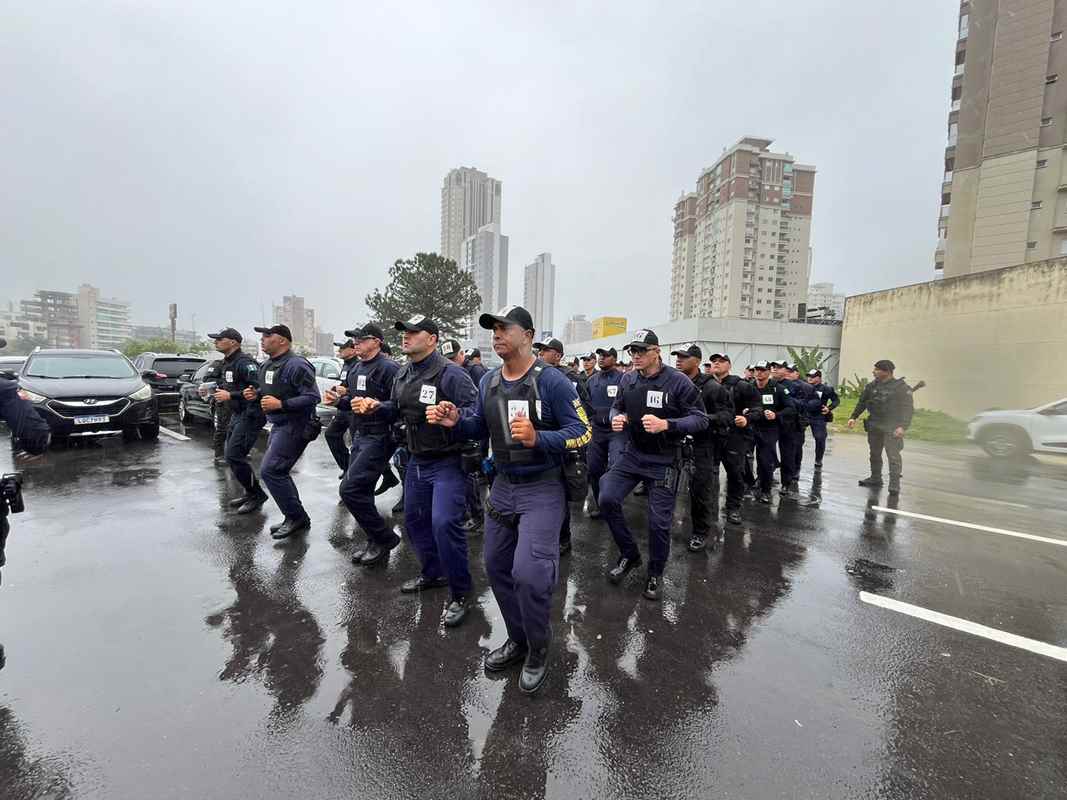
x: 972, y: 526
x: 965, y: 625
x: 174, y: 434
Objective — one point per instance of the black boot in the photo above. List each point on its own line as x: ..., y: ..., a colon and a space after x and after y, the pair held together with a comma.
x: 534, y: 671
x: 456, y: 611
x: 874, y: 481
x: 254, y: 501
x: 388, y: 481
x: 733, y: 516
x: 622, y: 568
x: 507, y: 655
x: 696, y: 543
x: 653, y: 587
x: 291, y: 527
x: 377, y: 553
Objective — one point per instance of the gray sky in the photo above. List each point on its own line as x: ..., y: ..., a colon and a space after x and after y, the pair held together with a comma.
x: 220, y: 155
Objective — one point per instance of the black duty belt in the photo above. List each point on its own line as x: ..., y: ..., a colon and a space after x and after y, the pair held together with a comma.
x: 552, y: 473
x: 371, y: 430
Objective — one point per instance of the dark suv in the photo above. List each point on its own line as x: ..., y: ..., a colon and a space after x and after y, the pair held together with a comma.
x: 89, y: 392
x: 162, y: 372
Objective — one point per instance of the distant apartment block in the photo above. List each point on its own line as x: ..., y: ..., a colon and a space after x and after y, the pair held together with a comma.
x: 300, y: 320
x: 470, y: 200
x: 577, y: 329
x: 79, y: 319
x: 485, y: 256
x: 824, y: 303
x: 539, y: 293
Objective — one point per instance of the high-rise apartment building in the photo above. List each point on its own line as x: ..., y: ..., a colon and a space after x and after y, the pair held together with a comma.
x: 577, y: 329
x: 299, y: 319
x: 741, y: 239
x: 539, y: 293
x: 823, y: 303
x: 79, y: 319
x: 1004, y: 189
x: 485, y: 256
x: 470, y: 200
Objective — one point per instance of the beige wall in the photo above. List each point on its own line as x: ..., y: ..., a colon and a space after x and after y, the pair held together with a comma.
x: 992, y: 339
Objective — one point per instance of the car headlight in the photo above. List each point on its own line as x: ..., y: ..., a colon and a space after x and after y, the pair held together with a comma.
x: 33, y: 397
x: 144, y: 393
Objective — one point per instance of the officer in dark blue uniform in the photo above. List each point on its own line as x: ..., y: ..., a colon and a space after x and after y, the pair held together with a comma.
x: 342, y: 421
x: 288, y: 395
x: 475, y: 513
x: 766, y: 419
x: 237, y: 372
x: 806, y: 404
x: 828, y: 397
x: 588, y: 370
x: 372, y: 377
x: 476, y: 480
x: 658, y: 407
x: 434, y: 481
x: 533, y: 416
x: 606, y: 445
x: 739, y: 437
x: 473, y: 365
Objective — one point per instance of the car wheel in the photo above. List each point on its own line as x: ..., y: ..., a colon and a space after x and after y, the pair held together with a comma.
x: 183, y: 412
x: 1005, y: 441
x: 149, y: 431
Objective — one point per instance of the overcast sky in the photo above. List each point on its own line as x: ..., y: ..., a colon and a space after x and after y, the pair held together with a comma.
x: 222, y: 154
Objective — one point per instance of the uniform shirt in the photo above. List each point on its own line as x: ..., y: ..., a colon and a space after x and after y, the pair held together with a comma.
x: 381, y: 372
x: 717, y: 405
x: 572, y: 375
x: 778, y: 402
x: 682, y: 409
x: 805, y: 402
x: 828, y: 397
x: 561, y: 410
x: 889, y: 404
x: 347, y: 366
x: 22, y: 418
x: 744, y: 396
x: 296, y: 373
x: 476, y: 371
x: 603, y: 387
x: 250, y: 377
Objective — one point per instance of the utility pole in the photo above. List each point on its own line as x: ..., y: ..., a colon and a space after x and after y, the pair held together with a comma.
x: 173, y: 321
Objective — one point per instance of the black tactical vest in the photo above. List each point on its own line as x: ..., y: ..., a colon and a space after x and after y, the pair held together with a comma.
x: 502, y: 403
x: 270, y: 374
x: 414, y: 391
x: 365, y: 380
x: 641, y: 400
x: 233, y: 374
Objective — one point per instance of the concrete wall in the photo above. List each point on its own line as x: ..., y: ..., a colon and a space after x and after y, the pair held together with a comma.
x: 994, y: 339
x: 744, y: 340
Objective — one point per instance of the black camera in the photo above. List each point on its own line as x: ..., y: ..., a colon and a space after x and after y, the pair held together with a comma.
x: 11, y: 494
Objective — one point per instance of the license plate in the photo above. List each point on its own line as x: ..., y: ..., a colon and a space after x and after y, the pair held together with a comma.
x: 97, y: 420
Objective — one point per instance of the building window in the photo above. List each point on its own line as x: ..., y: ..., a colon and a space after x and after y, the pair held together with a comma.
x: 1042, y: 163
x: 1035, y: 205
x: 1031, y: 245
x: 1051, y: 78
x: 1056, y: 36
x: 1046, y: 121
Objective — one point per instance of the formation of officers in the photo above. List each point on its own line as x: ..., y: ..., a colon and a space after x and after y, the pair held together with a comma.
x: 557, y: 434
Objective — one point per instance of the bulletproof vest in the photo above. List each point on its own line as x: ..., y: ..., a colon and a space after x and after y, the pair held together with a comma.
x: 640, y: 400
x: 603, y: 389
x: 367, y: 380
x: 347, y: 367
x: 701, y: 381
x: 270, y: 383
x: 765, y: 400
x: 503, y: 403
x: 880, y: 402
x: 414, y: 391
x: 233, y: 374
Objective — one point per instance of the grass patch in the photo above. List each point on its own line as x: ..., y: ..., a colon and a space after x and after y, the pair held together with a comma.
x: 926, y: 425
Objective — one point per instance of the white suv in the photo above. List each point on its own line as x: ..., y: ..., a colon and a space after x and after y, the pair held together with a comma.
x: 1009, y: 434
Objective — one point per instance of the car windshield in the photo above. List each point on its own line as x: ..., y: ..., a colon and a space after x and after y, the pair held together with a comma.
x: 87, y: 365
x: 173, y: 367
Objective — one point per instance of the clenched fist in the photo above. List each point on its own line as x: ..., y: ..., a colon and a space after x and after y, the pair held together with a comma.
x: 444, y: 414
x: 618, y: 422
x: 523, y: 431
x: 653, y: 424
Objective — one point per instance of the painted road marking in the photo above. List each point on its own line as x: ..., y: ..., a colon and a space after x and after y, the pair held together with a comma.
x: 972, y: 526
x: 174, y: 434
x: 965, y: 625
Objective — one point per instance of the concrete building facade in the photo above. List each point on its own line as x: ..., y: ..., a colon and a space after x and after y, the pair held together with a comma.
x: 105, y: 321
x: 741, y: 240
x: 539, y: 293
x: 294, y: 313
x: 470, y: 200
x: 485, y: 256
x: 78, y: 319
x: 822, y: 296
x: 1004, y: 188
x: 577, y: 329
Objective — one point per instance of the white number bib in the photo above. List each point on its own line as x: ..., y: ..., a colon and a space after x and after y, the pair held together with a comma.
x: 344, y: 375
x: 768, y: 399
x: 229, y: 376
x: 654, y: 400
x: 268, y: 376
x: 518, y: 409
x: 361, y: 383
x: 428, y: 394
x: 613, y: 391
x: 820, y: 395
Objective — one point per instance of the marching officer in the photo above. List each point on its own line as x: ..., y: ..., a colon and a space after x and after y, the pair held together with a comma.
x: 606, y: 444
x: 287, y: 393
x: 806, y: 404
x: 433, y: 480
x: 342, y: 421
x: 533, y: 416
x: 239, y: 371
x: 475, y: 513
x: 739, y: 438
x: 451, y: 350
x: 551, y: 352
x: 889, y: 406
x: 474, y: 365
x: 475, y: 481
x: 771, y: 412
x: 709, y: 446
x: 588, y: 369
x: 658, y: 407
x: 829, y: 399
x: 372, y: 442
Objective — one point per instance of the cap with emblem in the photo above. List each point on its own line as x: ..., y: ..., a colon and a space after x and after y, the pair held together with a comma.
x: 550, y: 344
x: 345, y: 345
x: 885, y: 364
x: 368, y: 331
x: 611, y: 351
x: 814, y: 373
x: 588, y: 356
x: 688, y: 351
x: 418, y: 323
x: 508, y: 315
x: 774, y: 363
x: 280, y: 330
x: 227, y: 333
x: 474, y: 352
x: 643, y: 339
x: 449, y: 347
x: 762, y: 365
x: 720, y: 357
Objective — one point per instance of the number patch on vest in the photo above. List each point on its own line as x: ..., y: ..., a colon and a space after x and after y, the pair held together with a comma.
x: 768, y: 399
x: 613, y: 391
x: 229, y: 376
x: 518, y: 409
x: 344, y: 374
x: 820, y: 395
x: 654, y: 400
x: 268, y: 376
x: 428, y: 394
x: 361, y: 384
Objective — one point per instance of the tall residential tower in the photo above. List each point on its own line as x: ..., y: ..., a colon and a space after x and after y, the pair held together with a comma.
x: 539, y: 293
x: 470, y: 199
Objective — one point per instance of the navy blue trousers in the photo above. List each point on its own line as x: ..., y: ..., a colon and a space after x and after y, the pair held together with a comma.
x: 604, y: 450
x: 241, y: 436
x: 434, y: 500
x: 284, y: 448
x: 369, y: 458
x: 818, y: 433
x: 335, y: 438
x: 789, y: 441
x: 523, y: 563
x: 617, y: 484
x: 766, y: 456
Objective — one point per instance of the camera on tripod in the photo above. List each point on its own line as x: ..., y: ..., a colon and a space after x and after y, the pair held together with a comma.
x: 11, y: 494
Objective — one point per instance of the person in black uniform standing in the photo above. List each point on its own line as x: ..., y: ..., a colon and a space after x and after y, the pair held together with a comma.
x: 767, y: 417
x: 806, y: 404
x: 476, y: 480
x: 889, y: 405
x: 658, y: 407
x: 606, y: 445
x: 819, y: 422
x: 288, y: 395
x: 709, y: 446
x: 342, y: 421
x: 237, y: 372
x: 739, y: 437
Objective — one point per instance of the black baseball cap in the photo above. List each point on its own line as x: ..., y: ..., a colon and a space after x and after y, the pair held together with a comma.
x: 789, y: 367
x: 385, y: 349
x: 368, y: 331
x: 588, y: 356
x: 281, y: 330
x: 611, y: 351
x: 474, y: 352
x: 227, y: 333
x: 508, y: 315
x: 418, y: 323
x: 345, y: 344
x: 550, y: 344
x: 643, y: 339
x: 774, y: 363
x: 812, y: 373
x: 764, y: 365
x: 689, y: 351
x: 885, y: 364
x: 449, y: 347
x: 720, y: 357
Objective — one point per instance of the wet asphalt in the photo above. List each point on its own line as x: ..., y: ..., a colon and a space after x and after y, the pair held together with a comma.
x: 158, y: 646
